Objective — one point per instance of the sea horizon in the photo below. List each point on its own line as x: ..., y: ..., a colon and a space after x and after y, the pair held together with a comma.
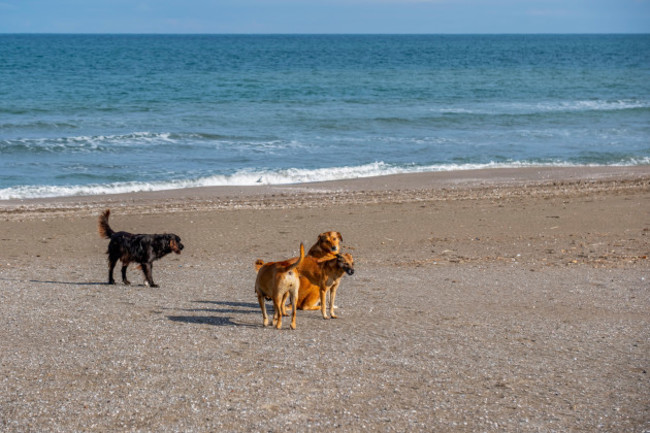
x: 329, y: 34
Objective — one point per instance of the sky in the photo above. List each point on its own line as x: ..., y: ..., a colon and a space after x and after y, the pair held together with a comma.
x: 325, y: 16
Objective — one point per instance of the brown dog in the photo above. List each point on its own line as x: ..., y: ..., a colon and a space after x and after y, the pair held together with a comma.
x: 327, y: 245
x: 325, y: 248
x: 276, y: 281
x: 319, y: 277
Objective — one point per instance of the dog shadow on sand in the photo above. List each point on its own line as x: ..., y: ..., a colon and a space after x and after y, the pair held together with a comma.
x: 221, y: 317
x: 71, y: 283
x: 221, y: 312
x: 89, y: 283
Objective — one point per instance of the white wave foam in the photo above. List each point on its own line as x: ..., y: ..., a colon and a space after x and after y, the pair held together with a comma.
x: 103, y: 143
x: 278, y: 177
x: 592, y: 105
x: 515, y: 108
x: 94, y: 142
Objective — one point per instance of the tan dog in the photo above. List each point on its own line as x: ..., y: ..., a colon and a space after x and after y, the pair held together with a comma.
x: 276, y: 281
x: 319, y: 277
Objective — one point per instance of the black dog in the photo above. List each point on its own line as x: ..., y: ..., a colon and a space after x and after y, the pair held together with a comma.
x: 141, y: 249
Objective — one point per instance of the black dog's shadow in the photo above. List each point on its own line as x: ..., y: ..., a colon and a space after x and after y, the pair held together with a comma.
x: 92, y: 283
x: 69, y: 283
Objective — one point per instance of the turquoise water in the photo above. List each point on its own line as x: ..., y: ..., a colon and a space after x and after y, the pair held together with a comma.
x: 89, y: 114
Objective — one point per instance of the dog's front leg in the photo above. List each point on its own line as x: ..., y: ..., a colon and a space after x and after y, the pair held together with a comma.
x: 146, y: 269
x: 323, y: 306
x: 332, y: 297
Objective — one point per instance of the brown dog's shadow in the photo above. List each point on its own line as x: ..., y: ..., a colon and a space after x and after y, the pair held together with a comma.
x: 207, y: 320
x: 244, y: 308
x: 254, y: 306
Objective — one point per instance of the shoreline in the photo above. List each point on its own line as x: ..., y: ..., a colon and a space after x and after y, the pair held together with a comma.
x: 448, y: 185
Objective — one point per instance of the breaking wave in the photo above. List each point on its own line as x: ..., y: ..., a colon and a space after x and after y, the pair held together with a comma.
x: 268, y: 177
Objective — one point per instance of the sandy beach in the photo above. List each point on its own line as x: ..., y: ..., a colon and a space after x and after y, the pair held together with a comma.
x: 497, y: 300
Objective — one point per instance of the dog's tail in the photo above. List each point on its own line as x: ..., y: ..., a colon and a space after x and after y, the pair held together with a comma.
x: 104, y: 229
x: 300, y: 259
x: 258, y: 264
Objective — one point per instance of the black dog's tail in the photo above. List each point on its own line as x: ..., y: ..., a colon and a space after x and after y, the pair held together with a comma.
x: 104, y: 229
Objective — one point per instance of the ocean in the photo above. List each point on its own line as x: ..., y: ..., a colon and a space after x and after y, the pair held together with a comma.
x: 96, y: 114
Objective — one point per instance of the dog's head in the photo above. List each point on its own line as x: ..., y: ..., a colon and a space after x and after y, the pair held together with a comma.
x: 330, y: 242
x: 174, y: 243
x: 345, y: 262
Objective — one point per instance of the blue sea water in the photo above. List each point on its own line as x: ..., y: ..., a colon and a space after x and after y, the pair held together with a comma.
x: 92, y: 114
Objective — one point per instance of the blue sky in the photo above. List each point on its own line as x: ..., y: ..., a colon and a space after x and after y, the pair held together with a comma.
x: 324, y: 16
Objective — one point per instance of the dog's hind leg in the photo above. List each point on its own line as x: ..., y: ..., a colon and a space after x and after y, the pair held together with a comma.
x: 124, y: 279
x: 310, y: 301
x: 277, y: 311
x: 294, y: 295
x: 265, y: 317
x: 146, y: 269
x: 111, y: 266
x: 284, y: 304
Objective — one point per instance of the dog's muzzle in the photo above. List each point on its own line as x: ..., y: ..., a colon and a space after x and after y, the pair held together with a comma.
x: 349, y: 271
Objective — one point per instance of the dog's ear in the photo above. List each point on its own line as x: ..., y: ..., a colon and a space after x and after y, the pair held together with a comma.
x: 339, y: 235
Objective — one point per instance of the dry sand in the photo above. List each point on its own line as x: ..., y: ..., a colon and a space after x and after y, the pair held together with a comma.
x: 498, y: 300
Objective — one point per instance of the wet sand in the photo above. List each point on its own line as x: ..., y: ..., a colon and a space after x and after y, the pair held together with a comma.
x: 491, y: 300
